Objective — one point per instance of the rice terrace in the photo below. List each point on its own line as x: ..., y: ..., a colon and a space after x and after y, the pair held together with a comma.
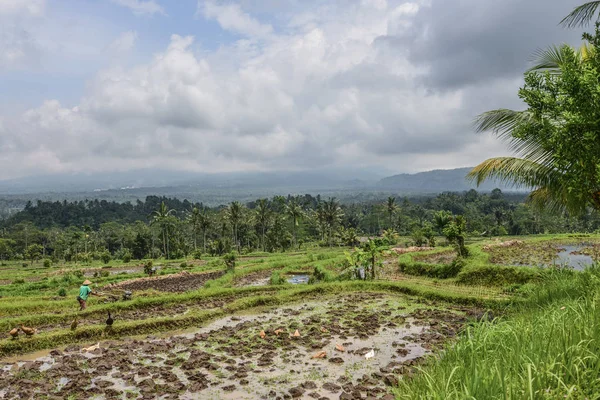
x: 217, y: 219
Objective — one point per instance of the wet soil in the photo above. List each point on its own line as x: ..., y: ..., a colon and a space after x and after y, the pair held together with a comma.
x: 312, y: 350
x: 445, y: 257
x: 181, y: 282
x: 259, y: 278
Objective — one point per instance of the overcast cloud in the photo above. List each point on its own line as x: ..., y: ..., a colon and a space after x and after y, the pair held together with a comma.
x: 371, y: 83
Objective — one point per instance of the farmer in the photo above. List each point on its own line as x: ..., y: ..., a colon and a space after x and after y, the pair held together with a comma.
x: 84, y: 292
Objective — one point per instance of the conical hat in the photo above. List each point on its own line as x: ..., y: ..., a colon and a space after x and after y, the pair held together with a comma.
x: 86, y: 282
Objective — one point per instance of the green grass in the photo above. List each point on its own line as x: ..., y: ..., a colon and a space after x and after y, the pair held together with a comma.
x: 548, y: 348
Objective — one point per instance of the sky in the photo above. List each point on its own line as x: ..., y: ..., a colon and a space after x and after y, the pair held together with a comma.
x: 261, y: 85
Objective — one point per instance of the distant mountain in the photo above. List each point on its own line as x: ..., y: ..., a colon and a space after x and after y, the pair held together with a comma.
x: 439, y: 180
x: 150, y: 178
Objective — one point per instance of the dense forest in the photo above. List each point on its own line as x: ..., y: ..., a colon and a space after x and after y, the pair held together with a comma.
x: 173, y: 228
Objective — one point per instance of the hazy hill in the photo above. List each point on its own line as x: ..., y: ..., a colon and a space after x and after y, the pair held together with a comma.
x: 439, y: 180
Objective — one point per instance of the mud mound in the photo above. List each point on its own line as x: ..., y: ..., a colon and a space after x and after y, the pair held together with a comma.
x: 508, y: 243
x: 180, y: 282
x: 412, y: 249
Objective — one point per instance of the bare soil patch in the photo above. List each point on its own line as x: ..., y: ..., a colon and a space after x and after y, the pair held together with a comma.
x: 180, y: 282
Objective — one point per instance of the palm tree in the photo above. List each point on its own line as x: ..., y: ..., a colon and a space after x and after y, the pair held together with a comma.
x: 263, y: 214
x: 193, y: 219
x: 234, y: 214
x: 581, y: 15
x: 204, y: 223
x: 535, y: 165
x: 161, y: 218
x: 333, y: 215
x: 391, y: 208
x: 295, y: 212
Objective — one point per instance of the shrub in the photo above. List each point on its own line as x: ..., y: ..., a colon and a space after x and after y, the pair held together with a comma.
x: 183, y: 265
x: 229, y: 259
x: 104, y: 274
x: 441, y: 271
x: 24, y: 265
x: 79, y: 273
x: 276, y: 278
x: 62, y: 292
x: 18, y: 281
x: 321, y: 274
x: 494, y: 275
x: 105, y: 257
x: 47, y: 263
x: 197, y: 254
x: 126, y: 257
x: 148, y: 267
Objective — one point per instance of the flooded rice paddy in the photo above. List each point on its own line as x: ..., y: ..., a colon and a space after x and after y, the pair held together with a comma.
x: 352, y: 346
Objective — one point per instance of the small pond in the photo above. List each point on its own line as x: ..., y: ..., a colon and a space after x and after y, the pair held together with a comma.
x: 570, y: 257
x: 298, y: 279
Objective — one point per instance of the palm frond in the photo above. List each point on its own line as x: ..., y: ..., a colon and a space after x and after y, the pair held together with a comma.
x: 501, y: 121
x: 581, y: 15
x: 515, y: 171
x: 550, y: 59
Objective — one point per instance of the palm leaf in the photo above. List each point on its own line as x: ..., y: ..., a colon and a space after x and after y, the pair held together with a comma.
x: 581, y: 15
x: 501, y: 121
x: 550, y: 59
x: 515, y: 171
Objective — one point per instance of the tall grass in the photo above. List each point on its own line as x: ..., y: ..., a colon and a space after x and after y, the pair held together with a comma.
x: 549, y: 349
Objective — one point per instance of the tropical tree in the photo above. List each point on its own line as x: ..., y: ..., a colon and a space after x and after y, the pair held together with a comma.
x: 442, y: 219
x: 333, y: 215
x: 234, y: 215
x: 262, y: 214
x: 194, y: 218
x: 295, y: 212
x: 581, y: 15
x: 204, y: 224
x: 391, y: 208
x: 557, y: 138
x: 161, y: 218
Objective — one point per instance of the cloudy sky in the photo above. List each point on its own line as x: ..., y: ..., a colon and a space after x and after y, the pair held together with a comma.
x: 251, y: 85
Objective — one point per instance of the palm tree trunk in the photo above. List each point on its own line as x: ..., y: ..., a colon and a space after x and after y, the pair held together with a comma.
x: 164, y: 243
x: 204, y: 239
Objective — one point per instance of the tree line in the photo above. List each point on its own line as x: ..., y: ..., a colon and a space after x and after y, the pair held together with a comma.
x: 173, y: 228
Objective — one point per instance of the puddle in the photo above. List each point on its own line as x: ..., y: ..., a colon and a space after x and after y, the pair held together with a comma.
x: 570, y: 257
x: 298, y: 279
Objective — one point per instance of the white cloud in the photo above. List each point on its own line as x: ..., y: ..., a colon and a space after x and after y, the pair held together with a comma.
x: 123, y: 43
x: 232, y: 18
x: 141, y: 7
x: 330, y: 87
x: 12, y: 7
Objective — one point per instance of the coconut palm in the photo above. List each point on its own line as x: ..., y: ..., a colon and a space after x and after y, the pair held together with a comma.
x: 234, y: 213
x: 204, y: 224
x: 333, y: 215
x: 193, y: 219
x: 295, y: 212
x: 391, y: 208
x: 535, y: 164
x: 581, y: 15
x: 263, y: 215
x: 161, y: 217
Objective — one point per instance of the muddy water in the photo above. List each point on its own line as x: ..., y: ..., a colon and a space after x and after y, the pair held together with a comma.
x: 571, y: 257
x: 228, y: 359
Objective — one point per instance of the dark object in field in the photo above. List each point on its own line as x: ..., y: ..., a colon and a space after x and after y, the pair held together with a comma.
x: 109, y: 320
x: 127, y: 295
x: 28, y: 331
x: 482, y: 316
x: 74, y: 324
x: 14, y: 333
